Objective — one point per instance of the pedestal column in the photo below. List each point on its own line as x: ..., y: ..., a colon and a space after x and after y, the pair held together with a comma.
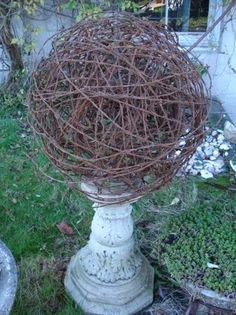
x: 109, y: 275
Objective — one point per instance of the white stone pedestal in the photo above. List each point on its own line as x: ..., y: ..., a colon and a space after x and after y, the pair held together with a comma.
x: 110, y: 276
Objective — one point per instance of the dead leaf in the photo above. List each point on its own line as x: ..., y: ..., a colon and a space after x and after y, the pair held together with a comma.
x: 64, y: 228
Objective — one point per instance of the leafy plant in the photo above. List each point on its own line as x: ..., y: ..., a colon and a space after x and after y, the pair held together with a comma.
x: 11, y: 106
x: 201, y: 68
x: 16, y: 46
x: 91, y: 9
x: 88, y: 10
x: 199, y: 244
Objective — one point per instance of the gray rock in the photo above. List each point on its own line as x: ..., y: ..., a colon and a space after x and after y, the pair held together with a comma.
x: 198, y: 165
x: 215, y: 143
x: 215, y: 167
x: 182, y: 143
x: 216, y: 153
x: 212, y: 158
x: 209, y: 139
x: 188, y: 168
x: 220, y: 138
x: 230, y: 132
x: 224, y: 147
x: 206, y: 174
x: 209, y: 156
x: 193, y: 172
x: 208, y: 150
x: 200, y: 153
x: 219, y: 162
x: 209, y: 166
x: 177, y: 153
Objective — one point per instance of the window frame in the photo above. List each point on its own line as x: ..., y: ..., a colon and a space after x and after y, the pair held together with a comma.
x: 187, y: 39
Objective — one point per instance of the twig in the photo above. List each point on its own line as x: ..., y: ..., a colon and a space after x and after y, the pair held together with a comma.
x: 192, y: 308
x: 55, y: 12
x: 216, y: 308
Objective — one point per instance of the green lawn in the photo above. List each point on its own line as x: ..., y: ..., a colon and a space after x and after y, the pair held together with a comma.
x: 30, y: 208
x: 31, y: 205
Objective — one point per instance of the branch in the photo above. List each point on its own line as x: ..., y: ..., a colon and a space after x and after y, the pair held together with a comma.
x: 220, y: 18
x: 54, y: 11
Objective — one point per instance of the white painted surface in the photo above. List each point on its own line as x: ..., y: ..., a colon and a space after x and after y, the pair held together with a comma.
x: 222, y: 66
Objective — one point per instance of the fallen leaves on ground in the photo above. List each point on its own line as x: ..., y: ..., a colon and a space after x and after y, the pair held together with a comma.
x: 64, y: 228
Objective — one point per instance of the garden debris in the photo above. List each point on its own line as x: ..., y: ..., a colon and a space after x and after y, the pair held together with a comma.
x: 64, y: 228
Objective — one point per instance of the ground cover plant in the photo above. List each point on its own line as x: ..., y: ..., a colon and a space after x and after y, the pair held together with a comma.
x: 199, y: 244
x: 32, y: 206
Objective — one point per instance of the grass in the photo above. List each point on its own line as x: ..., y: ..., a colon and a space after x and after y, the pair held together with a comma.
x: 31, y: 206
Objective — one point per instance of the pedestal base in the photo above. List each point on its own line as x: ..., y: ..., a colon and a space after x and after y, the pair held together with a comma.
x: 122, y: 297
x: 109, y: 276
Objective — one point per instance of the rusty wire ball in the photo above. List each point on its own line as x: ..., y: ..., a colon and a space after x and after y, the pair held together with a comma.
x: 112, y: 101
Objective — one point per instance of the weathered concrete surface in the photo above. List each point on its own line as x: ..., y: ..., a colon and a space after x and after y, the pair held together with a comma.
x: 110, y: 276
x: 8, y: 279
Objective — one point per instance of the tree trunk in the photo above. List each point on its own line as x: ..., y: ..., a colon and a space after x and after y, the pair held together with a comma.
x: 12, y: 49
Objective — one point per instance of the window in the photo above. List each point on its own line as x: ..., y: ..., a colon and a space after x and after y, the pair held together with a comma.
x: 189, y: 18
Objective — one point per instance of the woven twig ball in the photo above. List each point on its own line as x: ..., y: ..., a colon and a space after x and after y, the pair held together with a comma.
x: 113, y: 101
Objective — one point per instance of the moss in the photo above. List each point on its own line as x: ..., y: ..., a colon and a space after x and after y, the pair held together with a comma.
x: 198, y: 236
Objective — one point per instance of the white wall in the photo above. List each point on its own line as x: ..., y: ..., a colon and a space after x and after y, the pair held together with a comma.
x: 48, y: 23
x: 222, y: 66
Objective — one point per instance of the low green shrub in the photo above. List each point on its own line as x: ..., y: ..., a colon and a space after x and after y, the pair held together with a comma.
x: 11, y: 106
x: 190, y: 242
